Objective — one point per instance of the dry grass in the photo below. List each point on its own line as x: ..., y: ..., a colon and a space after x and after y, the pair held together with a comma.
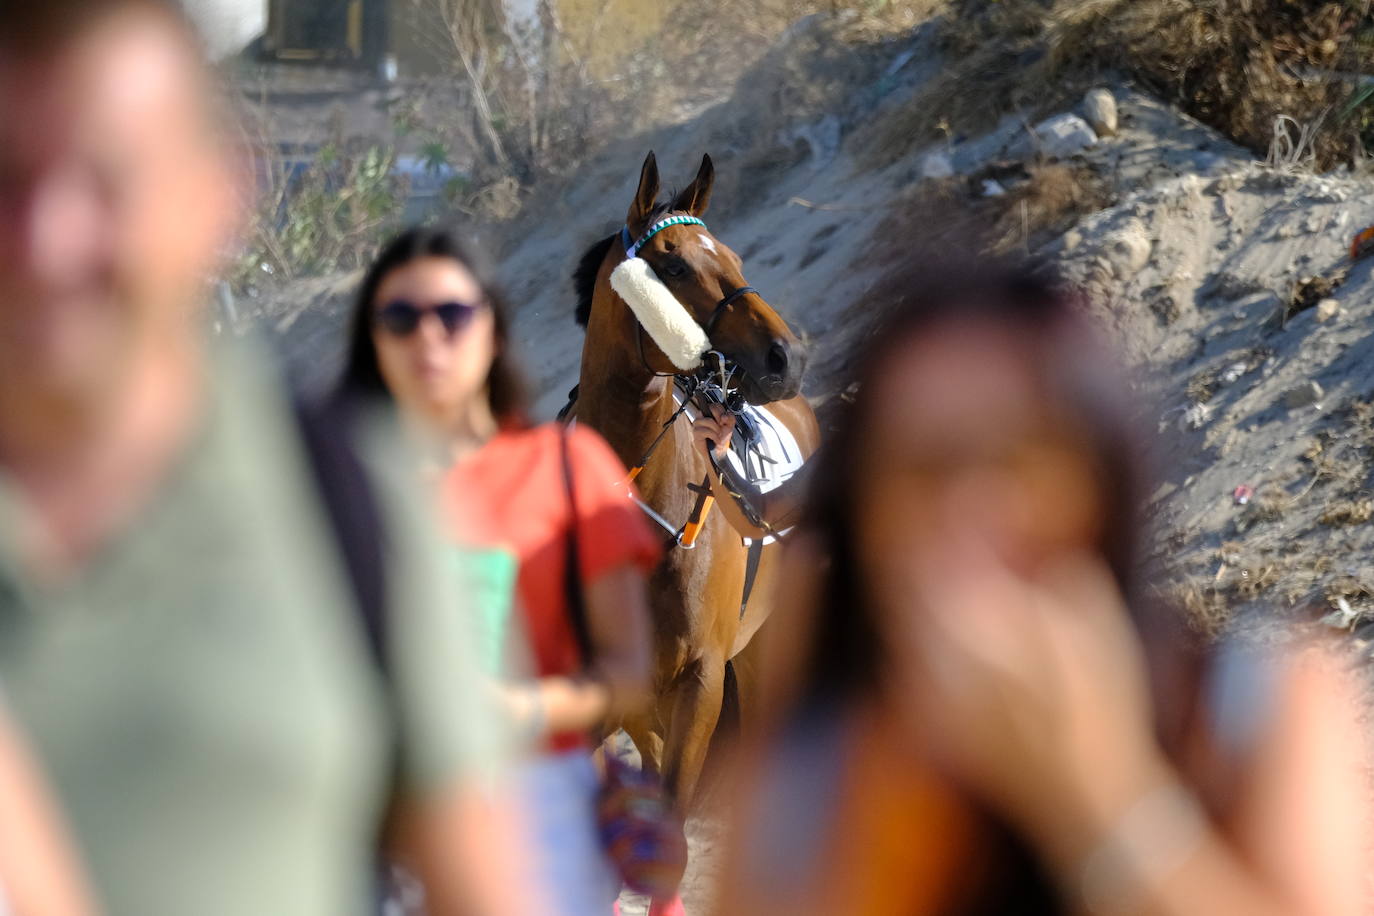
x: 1292, y: 545
x: 1207, y: 608
x: 1238, y: 65
x: 1040, y: 204
x: 1348, y: 512
x: 1269, y: 504
x: 1048, y: 203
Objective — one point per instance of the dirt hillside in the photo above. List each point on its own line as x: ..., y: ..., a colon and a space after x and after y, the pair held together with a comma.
x: 1226, y: 279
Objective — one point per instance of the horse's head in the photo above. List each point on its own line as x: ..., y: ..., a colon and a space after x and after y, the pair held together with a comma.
x: 707, y: 279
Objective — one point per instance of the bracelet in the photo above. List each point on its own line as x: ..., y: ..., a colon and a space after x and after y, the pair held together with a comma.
x: 1156, y: 835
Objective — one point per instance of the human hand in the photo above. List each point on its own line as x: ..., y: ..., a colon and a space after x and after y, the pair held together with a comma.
x: 1030, y: 690
x: 715, y: 425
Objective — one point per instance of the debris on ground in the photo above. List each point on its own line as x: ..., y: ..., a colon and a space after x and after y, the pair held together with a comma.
x: 1064, y: 136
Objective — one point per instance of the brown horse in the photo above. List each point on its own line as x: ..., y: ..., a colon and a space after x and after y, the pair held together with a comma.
x: 626, y: 393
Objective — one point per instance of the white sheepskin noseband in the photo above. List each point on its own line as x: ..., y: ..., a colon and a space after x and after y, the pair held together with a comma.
x: 666, y: 320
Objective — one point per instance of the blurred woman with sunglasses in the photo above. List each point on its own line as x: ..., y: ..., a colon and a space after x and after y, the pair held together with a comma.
x: 430, y: 332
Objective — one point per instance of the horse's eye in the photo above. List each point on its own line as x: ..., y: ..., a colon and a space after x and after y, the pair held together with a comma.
x: 675, y: 268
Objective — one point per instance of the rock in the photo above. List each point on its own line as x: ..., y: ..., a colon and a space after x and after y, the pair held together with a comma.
x: 1007, y: 140
x: 1072, y: 239
x: 1099, y: 109
x: 1064, y: 135
x: 1195, y: 417
x: 1129, y: 249
x: 1233, y: 373
x: 1305, y: 395
x: 936, y: 165
x: 1327, y: 309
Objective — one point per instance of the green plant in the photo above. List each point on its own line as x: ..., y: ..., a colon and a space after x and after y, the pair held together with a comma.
x: 434, y: 157
x: 321, y: 215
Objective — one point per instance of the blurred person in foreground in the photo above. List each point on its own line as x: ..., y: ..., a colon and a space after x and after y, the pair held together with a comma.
x: 429, y: 332
x: 182, y: 636
x: 39, y: 872
x: 980, y: 714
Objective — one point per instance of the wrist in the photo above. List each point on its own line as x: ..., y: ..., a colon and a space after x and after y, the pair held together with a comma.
x: 1137, y: 855
x: 1073, y: 822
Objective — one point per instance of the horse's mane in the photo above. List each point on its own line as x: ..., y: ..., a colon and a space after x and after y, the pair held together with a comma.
x: 584, y: 277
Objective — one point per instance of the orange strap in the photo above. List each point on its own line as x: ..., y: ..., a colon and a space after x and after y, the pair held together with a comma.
x: 697, y: 521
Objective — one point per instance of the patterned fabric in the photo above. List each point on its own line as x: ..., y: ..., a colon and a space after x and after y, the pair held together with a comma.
x: 633, y: 250
x: 642, y: 833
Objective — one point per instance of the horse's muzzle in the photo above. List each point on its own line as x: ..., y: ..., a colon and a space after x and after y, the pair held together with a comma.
x: 778, y: 375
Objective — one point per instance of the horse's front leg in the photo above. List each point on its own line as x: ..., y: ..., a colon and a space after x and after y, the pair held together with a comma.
x: 693, y: 710
x: 646, y: 733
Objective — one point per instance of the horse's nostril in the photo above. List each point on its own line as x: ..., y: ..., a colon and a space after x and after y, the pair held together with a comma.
x: 777, y: 358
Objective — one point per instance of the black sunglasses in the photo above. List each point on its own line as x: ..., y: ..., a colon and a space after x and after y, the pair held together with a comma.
x: 401, y: 318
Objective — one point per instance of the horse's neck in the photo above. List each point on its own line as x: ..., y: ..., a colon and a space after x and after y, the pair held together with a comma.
x: 628, y: 408
x: 621, y: 398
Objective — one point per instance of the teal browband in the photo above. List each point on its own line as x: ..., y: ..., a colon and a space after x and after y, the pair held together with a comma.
x: 633, y: 250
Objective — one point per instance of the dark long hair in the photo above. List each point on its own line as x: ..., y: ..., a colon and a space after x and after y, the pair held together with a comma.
x: 362, y: 378
x: 1047, y: 319
x: 847, y: 657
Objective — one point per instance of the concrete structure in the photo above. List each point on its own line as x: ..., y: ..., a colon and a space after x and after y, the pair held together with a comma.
x: 228, y: 26
x: 362, y: 33
x: 337, y: 31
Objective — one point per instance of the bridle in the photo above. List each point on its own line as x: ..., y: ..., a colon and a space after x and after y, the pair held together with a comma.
x: 702, y: 388
x: 632, y: 251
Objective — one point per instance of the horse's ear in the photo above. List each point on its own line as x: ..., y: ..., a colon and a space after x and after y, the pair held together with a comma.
x: 696, y: 197
x: 643, y: 204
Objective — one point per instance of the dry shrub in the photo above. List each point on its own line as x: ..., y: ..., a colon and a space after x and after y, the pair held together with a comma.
x: 1208, y: 609
x: 1237, y: 65
x: 1202, y: 387
x: 1046, y: 205
x: 929, y: 216
x: 1351, y: 588
x: 1348, y: 512
x: 954, y: 214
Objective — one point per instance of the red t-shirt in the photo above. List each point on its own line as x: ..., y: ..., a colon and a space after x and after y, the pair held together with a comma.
x: 511, y: 493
